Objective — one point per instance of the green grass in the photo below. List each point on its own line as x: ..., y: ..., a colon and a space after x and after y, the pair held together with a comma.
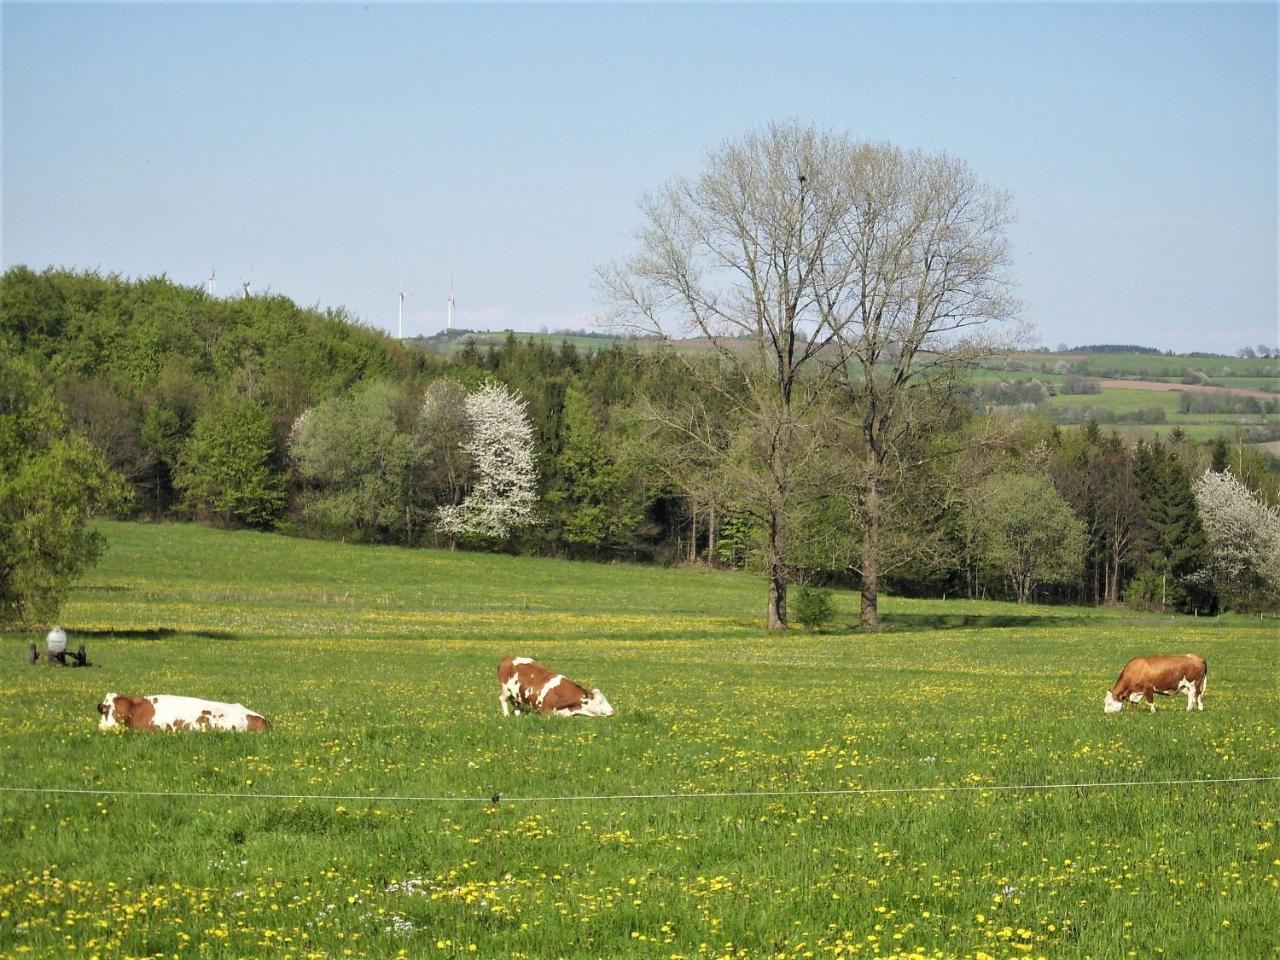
x: 1156, y: 366
x: 1197, y: 431
x: 1121, y: 400
x: 1199, y: 426
x: 1270, y: 384
x: 376, y: 666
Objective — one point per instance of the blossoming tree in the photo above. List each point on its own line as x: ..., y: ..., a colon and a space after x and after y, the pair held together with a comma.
x: 503, y: 495
x: 1244, y: 538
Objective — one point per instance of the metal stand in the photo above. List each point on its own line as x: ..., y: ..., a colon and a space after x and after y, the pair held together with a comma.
x: 64, y: 659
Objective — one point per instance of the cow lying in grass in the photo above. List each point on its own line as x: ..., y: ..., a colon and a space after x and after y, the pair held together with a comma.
x: 1144, y: 677
x: 526, y: 685
x: 164, y: 712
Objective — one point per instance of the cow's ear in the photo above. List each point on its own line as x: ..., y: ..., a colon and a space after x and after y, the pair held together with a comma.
x: 103, y: 708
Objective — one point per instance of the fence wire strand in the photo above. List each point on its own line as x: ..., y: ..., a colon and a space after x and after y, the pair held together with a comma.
x: 618, y: 797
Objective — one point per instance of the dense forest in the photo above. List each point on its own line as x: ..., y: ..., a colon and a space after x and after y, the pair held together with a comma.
x: 257, y: 412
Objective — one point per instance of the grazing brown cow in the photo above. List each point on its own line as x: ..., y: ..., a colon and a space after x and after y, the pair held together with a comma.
x: 1165, y: 674
x: 526, y: 685
x: 165, y: 712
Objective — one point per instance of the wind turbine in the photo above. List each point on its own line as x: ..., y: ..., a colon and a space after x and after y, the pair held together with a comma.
x: 449, y: 322
x: 245, y: 285
x: 400, y: 319
x: 211, y: 285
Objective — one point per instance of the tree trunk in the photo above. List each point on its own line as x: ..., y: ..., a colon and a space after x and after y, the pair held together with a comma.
x: 712, y: 533
x: 870, y: 610
x: 776, y: 618
x: 777, y: 614
x: 693, y: 530
x: 1117, y: 561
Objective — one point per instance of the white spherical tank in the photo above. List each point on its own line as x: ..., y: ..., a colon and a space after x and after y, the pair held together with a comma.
x: 56, y: 640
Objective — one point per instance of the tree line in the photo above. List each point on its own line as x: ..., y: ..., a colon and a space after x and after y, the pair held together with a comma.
x: 842, y: 289
x: 1000, y: 507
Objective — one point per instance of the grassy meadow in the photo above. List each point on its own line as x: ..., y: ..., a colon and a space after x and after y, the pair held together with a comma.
x: 376, y: 666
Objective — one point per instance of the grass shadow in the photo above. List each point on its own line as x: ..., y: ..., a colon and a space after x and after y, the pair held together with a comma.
x: 155, y: 633
x: 967, y: 621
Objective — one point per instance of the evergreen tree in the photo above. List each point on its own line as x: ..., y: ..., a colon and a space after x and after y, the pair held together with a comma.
x: 1218, y: 459
x: 1172, y: 545
x: 592, y: 497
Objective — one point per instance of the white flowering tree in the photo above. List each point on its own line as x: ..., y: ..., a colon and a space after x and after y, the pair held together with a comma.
x: 1244, y: 539
x: 503, y: 494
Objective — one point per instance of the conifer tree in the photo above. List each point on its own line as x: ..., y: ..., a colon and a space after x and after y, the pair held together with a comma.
x: 1172, y: 544
x: 592, y: 497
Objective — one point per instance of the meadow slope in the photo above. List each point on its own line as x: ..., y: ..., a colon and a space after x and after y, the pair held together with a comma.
x: 376, y: 666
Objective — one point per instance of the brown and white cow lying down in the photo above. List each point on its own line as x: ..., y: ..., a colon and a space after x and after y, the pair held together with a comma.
x: 1166, y: 674
x: 164, y: 712
x: 526, y: 685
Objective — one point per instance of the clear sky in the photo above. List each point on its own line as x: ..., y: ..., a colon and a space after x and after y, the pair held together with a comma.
x: 336, y: 152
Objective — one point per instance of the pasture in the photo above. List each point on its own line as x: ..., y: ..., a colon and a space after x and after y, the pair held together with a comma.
x: 376, y: 666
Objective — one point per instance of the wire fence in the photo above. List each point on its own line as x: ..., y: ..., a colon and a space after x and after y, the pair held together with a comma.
x: 673, y: 795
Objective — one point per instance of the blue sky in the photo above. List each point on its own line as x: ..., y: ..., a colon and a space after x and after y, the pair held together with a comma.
x: 336, y: 152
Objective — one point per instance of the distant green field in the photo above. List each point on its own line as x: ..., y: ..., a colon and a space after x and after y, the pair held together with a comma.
x: 376, y: 666
x: 1157, y: 366
x: 1026, y: 367
x: 1121, y: 400
x: 1199, y: 432
x: 1225, y: 371
x: 1269, y: 384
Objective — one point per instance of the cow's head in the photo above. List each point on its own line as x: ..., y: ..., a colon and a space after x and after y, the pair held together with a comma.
x: 112, y: 711
x: 1110, y: 704
x: 596, y: 705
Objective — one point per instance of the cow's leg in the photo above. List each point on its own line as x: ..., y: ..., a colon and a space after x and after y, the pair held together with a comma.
x: 1203, y: 682
x: 1151, y: 698
x: 508, y: 694
x: 1189, y: 689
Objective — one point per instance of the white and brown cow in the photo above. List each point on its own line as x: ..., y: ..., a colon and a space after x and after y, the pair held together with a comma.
x: 164, y: 712
x: 1144, y: 677
x: 526, y: 685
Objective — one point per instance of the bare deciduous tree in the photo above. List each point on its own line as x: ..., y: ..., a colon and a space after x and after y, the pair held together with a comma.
x: 806, y: 259
x: 919, y: 269
x: 737, y: 258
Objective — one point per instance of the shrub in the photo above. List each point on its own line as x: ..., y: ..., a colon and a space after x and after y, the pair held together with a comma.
x: 812, y: 607
x: 52, y: 482
x: 1152, y: 590
x: 1073, y: 384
